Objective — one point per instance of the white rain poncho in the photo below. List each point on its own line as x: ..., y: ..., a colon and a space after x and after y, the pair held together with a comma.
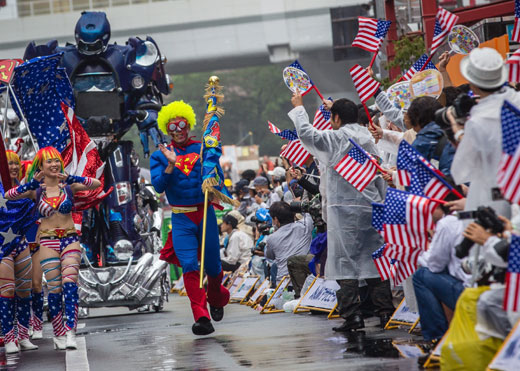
x: 350, y: 237
x: 479, y: 153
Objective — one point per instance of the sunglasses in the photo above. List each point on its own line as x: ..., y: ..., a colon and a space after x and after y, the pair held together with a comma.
x: 177, y: 125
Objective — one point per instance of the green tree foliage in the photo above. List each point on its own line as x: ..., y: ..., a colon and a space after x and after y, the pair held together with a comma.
x: 407, y: 51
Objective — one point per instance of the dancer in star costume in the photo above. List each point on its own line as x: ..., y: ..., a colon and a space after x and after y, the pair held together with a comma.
x: 36, y: 320
x: 15, y: 282
x: 177, y: 171
x: 60, y: 253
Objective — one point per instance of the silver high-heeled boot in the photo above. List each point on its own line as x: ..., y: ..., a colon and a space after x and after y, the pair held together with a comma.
x: 71, y: 340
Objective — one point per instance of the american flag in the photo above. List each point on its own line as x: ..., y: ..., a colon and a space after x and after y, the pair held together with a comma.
x: 364, y: 84
x: 294, y: 152
x: 516, y: 30
x: 407, y: 219
x: 402, y: 253
x: 371, y: 34
x: 322, y: 118
x: 512, y: 294
x: 444, y: 22
x: 417, y: 67
x: 508, y: 177
x: 383, y: 264
x: 357, y: 167
x: 81, y: 158
x: 426, y: 182
x: 377, y: 216
x: 406, y: 160
x: 285, y: 134
x: 514, y: 66
x: 401, y: 270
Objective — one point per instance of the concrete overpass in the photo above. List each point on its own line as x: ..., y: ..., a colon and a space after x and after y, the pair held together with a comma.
x: 199, y: 35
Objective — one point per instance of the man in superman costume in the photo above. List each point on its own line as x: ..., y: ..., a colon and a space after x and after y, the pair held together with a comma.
x: 177, y: 171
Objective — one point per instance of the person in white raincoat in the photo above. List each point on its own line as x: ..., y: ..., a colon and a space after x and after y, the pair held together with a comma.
x: 480, y: 150
x: 350, y: 237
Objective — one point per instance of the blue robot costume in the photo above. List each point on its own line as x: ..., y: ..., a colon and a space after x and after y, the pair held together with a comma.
x: 114, y: 87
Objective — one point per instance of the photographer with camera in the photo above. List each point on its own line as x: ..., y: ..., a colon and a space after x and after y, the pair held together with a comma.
x: 238, y: 246
x: 289, y: 238
x: 480, y: 148
x: 351, y: 240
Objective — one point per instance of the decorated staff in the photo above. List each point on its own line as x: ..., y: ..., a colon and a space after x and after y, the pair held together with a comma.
x: 211, y: 150
x: 188, y: 171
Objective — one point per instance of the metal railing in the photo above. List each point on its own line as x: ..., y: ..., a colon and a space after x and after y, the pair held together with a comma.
x: 29, y: 8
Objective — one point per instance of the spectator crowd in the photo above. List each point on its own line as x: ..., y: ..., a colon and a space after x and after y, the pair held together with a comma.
x: 301, y: 220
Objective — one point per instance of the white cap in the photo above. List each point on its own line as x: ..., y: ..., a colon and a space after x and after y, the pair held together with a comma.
x: 484, y: 67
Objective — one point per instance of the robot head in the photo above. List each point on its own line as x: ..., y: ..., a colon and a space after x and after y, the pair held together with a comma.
x: 92, y: 33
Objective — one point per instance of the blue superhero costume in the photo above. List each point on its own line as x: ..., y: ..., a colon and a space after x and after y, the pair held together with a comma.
x: 184, y: 194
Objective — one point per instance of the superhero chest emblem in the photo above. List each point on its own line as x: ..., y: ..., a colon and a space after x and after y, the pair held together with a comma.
x: 185, y: 163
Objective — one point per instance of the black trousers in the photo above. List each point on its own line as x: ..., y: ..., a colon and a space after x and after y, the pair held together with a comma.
x: 349, y: 302
x: 298, y: 266
x: 230, y: 267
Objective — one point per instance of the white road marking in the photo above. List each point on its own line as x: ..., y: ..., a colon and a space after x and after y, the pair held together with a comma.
x: 77, y: 359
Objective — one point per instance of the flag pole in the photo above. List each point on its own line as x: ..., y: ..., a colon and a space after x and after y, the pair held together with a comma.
x: 203, y: 244
x: 374, y: 58
x: 315, y: 89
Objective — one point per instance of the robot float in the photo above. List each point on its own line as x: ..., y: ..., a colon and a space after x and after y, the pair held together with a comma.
x: 111, y: 88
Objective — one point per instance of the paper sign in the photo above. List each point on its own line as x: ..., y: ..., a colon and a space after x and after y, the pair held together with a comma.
x: 409, y: 351
x: 508, y: 357
x: 236, y: 283
x: 426, y: 83
x: 404, y: 314
x: 322, y: 294
x: 264, y: 286
x: 244, y: 288
x: 278, y: 293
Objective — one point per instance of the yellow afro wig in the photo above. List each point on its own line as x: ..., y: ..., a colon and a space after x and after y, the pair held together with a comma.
x: 173, y: 110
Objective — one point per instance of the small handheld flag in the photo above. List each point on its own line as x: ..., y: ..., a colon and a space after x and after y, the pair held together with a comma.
x: 416, y: 67
x: 357, y: 167
x: 444, y: 22
x: 512, y: 292
x: 508, y: 176
x: 515, y: 36
x: 371, y: 34
x: 365, y: 85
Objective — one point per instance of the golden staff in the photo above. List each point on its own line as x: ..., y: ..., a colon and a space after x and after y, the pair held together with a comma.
x: 212, y: 97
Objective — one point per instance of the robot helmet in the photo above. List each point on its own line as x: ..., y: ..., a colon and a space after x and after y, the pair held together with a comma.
x: 92, y: 33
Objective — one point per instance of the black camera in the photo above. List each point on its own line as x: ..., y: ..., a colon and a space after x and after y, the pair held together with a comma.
x: 460, y: 111
x: 264, y: 227
x: 312, y: 207
x: 484, y: 216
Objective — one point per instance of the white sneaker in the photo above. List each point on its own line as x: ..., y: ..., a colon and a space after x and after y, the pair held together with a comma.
x: 26, y: 344
x: 71, y: 340
x: 11, y: 347
x: 60, y: 342
x: 37, y: 335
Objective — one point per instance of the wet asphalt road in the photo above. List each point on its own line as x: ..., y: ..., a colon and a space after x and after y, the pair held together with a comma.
x: 117, y: 339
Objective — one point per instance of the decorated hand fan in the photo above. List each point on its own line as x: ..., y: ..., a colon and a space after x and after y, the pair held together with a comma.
x: 427, y: 82
x: 462, y: 40
x: 400, y: 95
x: 297, y: 80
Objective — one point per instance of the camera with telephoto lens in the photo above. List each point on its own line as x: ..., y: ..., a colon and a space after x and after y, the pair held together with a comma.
x: 484, y: 216
x: 312, y: 207
x: 263, y: 221
x: 460, y: 111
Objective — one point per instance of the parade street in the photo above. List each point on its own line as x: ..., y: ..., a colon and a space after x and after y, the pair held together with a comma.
x: 120, y: 340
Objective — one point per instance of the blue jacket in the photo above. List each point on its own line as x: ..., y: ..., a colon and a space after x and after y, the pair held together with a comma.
x: 183, y: 187
x: 426, y: 144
